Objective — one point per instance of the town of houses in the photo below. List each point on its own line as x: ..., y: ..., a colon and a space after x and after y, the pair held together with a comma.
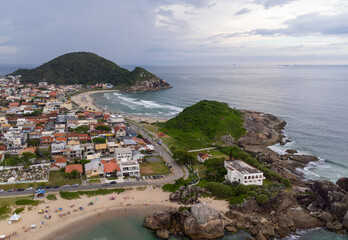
x: 41, y: 131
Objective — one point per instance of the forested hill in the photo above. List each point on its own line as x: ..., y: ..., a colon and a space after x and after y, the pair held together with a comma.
x: 205, y: 123
x: 88, y: 68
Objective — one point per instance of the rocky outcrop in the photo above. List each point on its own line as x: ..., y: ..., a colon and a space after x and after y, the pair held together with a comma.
x: 343, y: 183
x: 152, y: 84
x: 201, y: 222
x: 262, y: 129
x: 186, y: 194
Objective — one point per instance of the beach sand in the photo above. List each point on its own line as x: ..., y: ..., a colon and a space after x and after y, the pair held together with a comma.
x: 129, y: 202
x: 86, y: 101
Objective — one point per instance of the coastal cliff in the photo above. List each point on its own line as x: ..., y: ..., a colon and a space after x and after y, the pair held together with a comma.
x: 286, y: 203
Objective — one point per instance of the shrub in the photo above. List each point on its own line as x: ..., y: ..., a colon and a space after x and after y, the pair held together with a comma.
x: 286, y: 182
x: 262, y: 198
x: 220, y: 190
x: 27, y: 202
x: 241, y: 189
x: 18, y: 210
x: 237, y: 200
x: 51, y: 197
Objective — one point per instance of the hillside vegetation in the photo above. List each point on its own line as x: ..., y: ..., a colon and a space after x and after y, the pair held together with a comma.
x: 203, y: 124
x: 84, y: 68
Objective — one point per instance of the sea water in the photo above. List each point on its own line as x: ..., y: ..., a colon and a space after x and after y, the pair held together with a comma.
x: 313, y: 100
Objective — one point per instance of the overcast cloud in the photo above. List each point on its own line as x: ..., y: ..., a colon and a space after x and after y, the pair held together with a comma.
x: 166, y: 32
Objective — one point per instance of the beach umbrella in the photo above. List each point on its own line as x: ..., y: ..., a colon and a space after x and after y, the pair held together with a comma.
x: 60, y: 209
x: 33, y: 226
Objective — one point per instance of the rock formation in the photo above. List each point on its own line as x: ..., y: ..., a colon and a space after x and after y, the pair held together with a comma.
x: 200, y: 222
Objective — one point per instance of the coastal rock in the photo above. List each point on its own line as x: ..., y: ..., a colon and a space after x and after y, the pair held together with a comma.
x: 303, y: 220
x: 304, y: 158
x: 205, y: 222
x: 262, y: 129
x: 201, y: 222
x: 291, y: 151
x: 151, y: 84
x: 343, y: 183
x: 163, y: 234
x: 159, y: 220
x: 345, y: 221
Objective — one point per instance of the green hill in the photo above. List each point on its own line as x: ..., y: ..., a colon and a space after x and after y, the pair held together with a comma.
x: 203, y: 124
x: 88, y: 68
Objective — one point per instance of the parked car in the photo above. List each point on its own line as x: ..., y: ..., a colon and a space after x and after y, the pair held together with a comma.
x: 75, y: 185
x: 144, y: 178
x: 48, y: 187
x: 138, y: 178
x: 113, y: 182
x: 106, y: 184
x: 151, y: 177
x: 1, y: 190
x: 127, y: 180
x: 29, y: 189
x: 20, y: 189
x: 38, y: 188
x: 154, y: 177
x: 66, y: 186
x: 11, y: 190
x: 56, y: 186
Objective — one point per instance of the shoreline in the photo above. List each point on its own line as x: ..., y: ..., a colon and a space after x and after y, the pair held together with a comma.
x: 86, y: 99
x: 129, y: 203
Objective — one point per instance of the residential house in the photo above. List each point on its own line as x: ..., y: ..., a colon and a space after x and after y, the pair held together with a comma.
x: 129, y: 168
x: 202, y: 157
x: 138, y: 156
x: 73, y: 151
x: 72, y: 167
x: 58, y: 148
x: 93, y: 169
x: 101, y: 148
x: 239, y: 171
x: 121, y: 153
x: 120, y: 130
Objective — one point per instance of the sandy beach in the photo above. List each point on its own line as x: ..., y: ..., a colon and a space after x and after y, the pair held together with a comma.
x: 86, y: 101
x: 130, y: 202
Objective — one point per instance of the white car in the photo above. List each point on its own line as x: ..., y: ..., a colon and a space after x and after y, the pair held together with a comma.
x: 29, y: 189
x: 127, y: 180
x: 1, y: 190
x: 66, y: 186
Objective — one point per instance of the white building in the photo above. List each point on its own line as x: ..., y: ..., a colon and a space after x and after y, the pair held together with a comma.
x: 129, y: 167
x: 123, y: 153
x: 239, y: 171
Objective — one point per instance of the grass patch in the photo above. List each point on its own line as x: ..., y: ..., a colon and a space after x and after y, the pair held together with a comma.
x: 94, y: 179
x: 7, y: 203
x: 78, y: 194
x: 27, y: 202
x: 140, y: 188
x: 150, y: 127
x: 58, y: 178
x: 18, y: 210
x: 51, y: 197
x: 153, y: 168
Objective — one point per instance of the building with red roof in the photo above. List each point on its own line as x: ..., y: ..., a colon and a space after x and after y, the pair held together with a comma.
x: 72, y: 167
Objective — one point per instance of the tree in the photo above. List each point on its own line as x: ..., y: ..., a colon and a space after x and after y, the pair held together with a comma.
x: 215, y: 169
x: 99, y: 140
x: 103, y: 128
x: 183, y: 157
x: 73, y: 175
x: 262, y: 198
x: 33, y: 142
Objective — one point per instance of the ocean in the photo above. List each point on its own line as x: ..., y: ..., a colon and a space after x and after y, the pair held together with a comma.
x: 313, y: 100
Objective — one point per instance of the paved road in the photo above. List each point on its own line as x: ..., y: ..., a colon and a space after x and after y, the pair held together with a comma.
x: 79, y: 188
x: 179, y: 171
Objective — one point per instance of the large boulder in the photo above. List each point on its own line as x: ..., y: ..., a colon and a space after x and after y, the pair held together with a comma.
x: 324, y: 189
x: 204, y: 223
x: 158, y: 220
x: 303, y: 220
x: 345, y: 221
x: 343, y: 183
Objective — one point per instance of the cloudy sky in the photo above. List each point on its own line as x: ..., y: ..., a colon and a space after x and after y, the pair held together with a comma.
x: 177, y: 32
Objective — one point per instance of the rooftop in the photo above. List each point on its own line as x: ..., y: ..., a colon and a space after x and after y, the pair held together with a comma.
x: 241, y: 166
